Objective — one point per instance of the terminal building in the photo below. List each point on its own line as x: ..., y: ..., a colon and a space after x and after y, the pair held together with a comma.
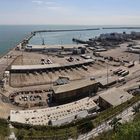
x: 56, y: 48
x: 54, y: 66
x: 58, y: 115
x: 113, y: 97
x: 75, y: 90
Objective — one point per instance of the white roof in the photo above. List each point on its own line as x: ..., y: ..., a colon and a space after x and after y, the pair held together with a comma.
x: 115, y: 96
x: 62, y: 113
x: 46, y: 66
x: 70, y: 118
x: 30, y: 67
x: 54, y: 46
x: 7, y: 72
x: 136, y: 47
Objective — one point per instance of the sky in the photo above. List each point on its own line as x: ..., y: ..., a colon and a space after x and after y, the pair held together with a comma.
x: 71, y: 12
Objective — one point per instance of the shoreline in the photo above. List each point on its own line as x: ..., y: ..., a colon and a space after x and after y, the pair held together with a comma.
x: 31, y: 33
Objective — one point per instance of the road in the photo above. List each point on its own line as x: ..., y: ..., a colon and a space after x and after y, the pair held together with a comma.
x: 6, y: 60
x: 126, y: 115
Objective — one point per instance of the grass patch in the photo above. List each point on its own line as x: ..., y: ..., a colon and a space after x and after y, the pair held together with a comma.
x: 4, y: 129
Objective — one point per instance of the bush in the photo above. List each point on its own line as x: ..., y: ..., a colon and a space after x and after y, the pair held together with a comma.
x: 85, y: 127
x: 21, y: 134
x: 4, y: 128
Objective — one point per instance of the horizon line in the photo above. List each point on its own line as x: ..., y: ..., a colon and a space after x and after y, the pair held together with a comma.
x: 70, y: 25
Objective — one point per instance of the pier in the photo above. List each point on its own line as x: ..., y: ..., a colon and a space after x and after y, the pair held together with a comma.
x: 79, y: 41
x: 71, y: 30
x: 27, y: 38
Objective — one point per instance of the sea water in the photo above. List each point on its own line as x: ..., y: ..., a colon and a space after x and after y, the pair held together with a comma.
x: 10, y: 35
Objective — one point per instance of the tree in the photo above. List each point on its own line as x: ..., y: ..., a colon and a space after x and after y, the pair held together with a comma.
x: 20, y: 135
x: 31, y: 132
x: 115, y: 124
x: 85, y: 127
x: 136, y: 109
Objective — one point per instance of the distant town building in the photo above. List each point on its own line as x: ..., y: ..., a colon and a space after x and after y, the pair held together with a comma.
x: 113, y: 36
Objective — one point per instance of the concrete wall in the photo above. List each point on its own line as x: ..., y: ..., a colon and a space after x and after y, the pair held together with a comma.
x: 76, y: 94
x: 103, y: 104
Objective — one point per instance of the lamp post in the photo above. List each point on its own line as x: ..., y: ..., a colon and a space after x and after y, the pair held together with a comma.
x: 21, y: 57
x: 139, y: 57
x: 127, y: 103
x: 121, y: 103
x: 107, y: 73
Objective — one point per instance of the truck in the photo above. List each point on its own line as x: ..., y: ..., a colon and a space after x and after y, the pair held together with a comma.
x: 120, y: 72
x: 84, y: 67
x: 131, y: 65
x: 121, y: 79
x: 125, y: 73
x: 116, y: 71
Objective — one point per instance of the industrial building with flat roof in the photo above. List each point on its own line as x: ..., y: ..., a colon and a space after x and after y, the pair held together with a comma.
x: 53, y: 48
x: 57, y: 115
x: 25, y: 68
x: 75, y: 90
x: 113, y: 97
x: 107, y: 81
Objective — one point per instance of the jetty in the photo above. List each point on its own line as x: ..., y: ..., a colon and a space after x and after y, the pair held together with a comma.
x: 67, y: 30
x: 79, y: 41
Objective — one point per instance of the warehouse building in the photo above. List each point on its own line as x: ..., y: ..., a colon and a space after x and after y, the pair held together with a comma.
x: 57, y: 115
x: 107, y: 81
x: 113, y: 97
x: 74, y: 90
x: 56, y: 48
x: 54, y: 66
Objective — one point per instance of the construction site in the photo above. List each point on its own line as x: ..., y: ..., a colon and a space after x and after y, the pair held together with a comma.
x: 62, y: 83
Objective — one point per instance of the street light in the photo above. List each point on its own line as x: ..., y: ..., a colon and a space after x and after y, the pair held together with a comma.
x: 107, y: 73
x: 139, y: 57
x: 121, y: 103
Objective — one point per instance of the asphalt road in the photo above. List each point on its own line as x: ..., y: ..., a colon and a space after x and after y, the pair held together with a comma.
x: 5, y: 61
x: 126, y: 115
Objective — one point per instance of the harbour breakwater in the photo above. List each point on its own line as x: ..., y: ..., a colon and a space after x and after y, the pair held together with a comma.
x: 71, y: 30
